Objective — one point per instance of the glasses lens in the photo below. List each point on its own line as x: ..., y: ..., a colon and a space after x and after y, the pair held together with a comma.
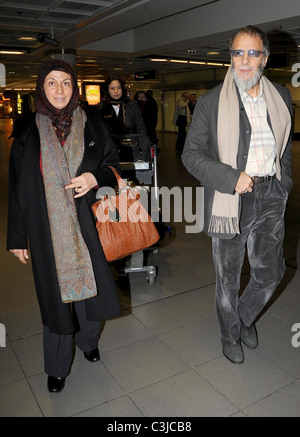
x: 254, y: 53
x: 237, y: 53
x: 251, y: 53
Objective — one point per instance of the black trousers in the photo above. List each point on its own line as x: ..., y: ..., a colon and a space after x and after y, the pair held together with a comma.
x: 181, y: 123
x: 262, y: 233
x: 58, y: 349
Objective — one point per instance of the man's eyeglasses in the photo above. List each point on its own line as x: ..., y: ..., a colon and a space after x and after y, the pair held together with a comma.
x: 251, y: 53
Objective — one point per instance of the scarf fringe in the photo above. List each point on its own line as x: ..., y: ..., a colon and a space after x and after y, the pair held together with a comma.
x: 224, y: 225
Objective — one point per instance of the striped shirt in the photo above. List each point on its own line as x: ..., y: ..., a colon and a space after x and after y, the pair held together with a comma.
x: 262, y: 149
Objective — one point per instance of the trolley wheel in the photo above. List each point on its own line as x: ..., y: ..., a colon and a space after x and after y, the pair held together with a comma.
x: 151, y: 278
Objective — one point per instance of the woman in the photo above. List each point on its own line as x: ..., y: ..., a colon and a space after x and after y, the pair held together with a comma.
x: 125, y: 119
x: 58, y: 158
x: 124, y: 116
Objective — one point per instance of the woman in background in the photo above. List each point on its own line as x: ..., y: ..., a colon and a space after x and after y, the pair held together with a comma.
x: 123, y: 115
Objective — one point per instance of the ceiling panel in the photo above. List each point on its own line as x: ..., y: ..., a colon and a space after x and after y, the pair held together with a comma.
x: 76, y: 24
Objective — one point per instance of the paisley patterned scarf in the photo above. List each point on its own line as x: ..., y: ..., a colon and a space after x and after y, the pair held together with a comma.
x: 60, y: 164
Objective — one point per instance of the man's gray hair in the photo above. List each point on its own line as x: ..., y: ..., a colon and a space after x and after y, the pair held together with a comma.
x: 252, y: 31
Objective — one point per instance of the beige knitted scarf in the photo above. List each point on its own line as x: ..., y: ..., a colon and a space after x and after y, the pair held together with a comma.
x: 225, y: 210
x: 60, y: 164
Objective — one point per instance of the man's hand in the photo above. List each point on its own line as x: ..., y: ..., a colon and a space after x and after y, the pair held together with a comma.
x: 244, y: 183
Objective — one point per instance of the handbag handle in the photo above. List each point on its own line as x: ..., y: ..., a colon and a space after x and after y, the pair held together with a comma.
x: 121, y: 182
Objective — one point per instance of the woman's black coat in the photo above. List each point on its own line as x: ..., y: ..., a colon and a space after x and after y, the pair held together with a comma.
x: 28, y: 219
x: 134, y: 123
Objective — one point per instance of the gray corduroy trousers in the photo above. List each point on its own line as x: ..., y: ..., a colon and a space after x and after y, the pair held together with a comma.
x: 262, y: 234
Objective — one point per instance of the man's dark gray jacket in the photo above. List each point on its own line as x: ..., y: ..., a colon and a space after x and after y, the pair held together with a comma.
x: 201, y: 156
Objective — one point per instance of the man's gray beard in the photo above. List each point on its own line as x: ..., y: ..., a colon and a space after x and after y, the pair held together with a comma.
x: 248, y: 84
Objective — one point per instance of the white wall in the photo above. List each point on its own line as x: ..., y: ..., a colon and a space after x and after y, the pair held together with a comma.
x: 169, y: 87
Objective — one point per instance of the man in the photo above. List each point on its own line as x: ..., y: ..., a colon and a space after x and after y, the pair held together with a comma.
x: 152, y: 110
x: 239, y: 147
x: 149, y: 110
x: 181, y: 119
x: 192, y: 103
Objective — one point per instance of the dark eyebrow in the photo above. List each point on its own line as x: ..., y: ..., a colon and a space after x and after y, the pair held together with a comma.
x: 66, y: 78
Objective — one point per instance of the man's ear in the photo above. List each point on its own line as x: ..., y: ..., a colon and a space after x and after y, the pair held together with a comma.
x: 266, y: 59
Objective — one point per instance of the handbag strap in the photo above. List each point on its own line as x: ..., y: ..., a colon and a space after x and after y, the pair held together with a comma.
x: 121, y: 182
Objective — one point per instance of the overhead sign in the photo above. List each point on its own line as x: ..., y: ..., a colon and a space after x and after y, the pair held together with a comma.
x: 146, y: 75
x: 92, y: 93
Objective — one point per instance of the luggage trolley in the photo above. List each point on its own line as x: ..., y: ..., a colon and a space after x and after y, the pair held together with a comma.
x: 138, y: 161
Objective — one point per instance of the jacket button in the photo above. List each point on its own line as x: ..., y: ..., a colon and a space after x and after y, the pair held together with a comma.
x: 245, y: 156
x: 247, y: 131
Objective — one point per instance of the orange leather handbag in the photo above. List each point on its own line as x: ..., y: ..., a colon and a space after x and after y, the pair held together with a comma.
x: 123, y: 224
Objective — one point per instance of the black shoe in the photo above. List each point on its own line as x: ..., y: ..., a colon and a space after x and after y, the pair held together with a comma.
x: 92, y: 356
x: 233, y: 351
x: 249, y: 336
x: 55, y: 384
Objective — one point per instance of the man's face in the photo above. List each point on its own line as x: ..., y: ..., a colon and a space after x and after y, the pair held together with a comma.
x: 192, y: 98
x: 247, y: 71
x: 142, y: 97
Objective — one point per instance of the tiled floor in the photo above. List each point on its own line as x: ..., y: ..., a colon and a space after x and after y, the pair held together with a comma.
x: 162, y: 357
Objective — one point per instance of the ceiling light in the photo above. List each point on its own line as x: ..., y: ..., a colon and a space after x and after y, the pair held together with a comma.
x: 13, y: 52
x: 213, y: 53
x: 158, y: 60
x: 26, y: 38
x: 181, y: 61
x: 215, y: 63
x: 198, y: 62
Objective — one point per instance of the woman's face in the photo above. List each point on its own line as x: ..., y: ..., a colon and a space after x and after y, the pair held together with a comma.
x: 115, y: 90
x: 58, y: 88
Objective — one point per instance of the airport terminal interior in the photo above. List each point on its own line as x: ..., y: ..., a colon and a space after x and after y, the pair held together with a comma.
x: 162, y: 357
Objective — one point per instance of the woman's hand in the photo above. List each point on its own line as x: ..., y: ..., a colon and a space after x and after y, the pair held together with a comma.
x: 82, y: 184
x: 22, y: 254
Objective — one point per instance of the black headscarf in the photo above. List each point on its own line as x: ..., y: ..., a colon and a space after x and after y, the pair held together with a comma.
x: 61, y: 118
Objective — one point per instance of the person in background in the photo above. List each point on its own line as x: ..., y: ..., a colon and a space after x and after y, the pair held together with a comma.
x: 239, y: 147
x: 148, y: 107
x: 58, y: 157
x: 152, y: 108
x: 123, y: 115
x: 192, y: 103
x: 181, y: 120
